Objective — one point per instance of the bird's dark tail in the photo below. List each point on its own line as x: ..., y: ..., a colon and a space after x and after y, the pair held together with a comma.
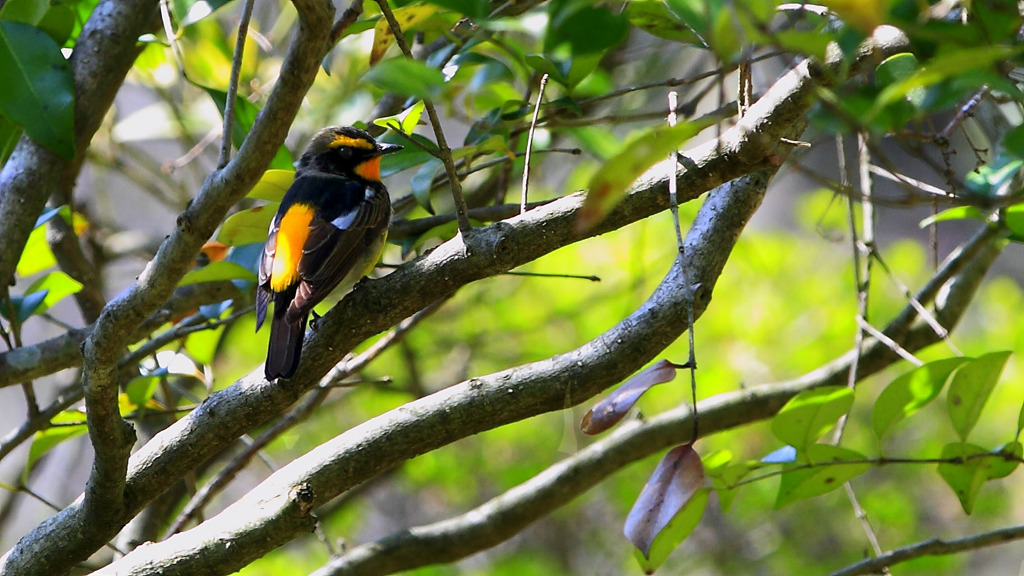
x: 285, y: 344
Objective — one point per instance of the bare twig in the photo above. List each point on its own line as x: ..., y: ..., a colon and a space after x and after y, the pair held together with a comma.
x: 529, y: 143
x: 444, y: 152
x: 232, y: 92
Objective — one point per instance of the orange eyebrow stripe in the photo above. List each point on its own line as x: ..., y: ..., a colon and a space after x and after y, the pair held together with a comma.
x: 291, y: 236
x: 342, y: 140
x: 370, y: 169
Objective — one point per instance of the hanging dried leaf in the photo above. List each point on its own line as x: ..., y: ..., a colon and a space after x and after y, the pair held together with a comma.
x: 611, y: 410
x: 669, y: 507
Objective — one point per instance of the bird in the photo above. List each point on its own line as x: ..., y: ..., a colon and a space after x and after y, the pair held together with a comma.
x: 329, y: 231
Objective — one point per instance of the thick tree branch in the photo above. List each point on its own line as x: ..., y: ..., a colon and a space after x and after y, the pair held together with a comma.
x: 104, y: 52
x: 374, y: 306
x: 470, y: 407
x: 72, y: 535
x: 63, y: 352
x: 506, y: 515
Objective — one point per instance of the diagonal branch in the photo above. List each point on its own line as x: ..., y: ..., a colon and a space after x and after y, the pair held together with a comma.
x: 506, y: 515
x: 464, y: 409
x: 754, y: 144
x: 76, y: 532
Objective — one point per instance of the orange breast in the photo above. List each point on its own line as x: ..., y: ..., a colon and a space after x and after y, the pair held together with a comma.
x: 369, y: 169
x: 291, y: 236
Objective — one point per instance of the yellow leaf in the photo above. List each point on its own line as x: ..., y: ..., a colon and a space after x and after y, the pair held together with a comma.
x: 407, y: 17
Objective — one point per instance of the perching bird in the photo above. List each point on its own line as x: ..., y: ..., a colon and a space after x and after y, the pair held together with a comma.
x: 329, y: 230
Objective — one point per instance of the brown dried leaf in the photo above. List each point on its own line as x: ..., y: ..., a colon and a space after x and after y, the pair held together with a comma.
x: 611, y: 410
x: 678, y: 478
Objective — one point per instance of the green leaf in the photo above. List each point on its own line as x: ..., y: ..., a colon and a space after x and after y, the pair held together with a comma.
x: 1004, y: 461
x: 247, y: 226
x: 38, y: 91
x: 56, y: 19
x: 611, y: 181
x: 965, y: 478
x: 272, y: 186
x: 37, y: 255
x: 45, y: 440
x: 943, y: 67
x: 810, y: 414
x: 654, y: 17
x: 405, y: 121
x: 1013, y: 217
x: 472, y: 9
x: 140, y: 390
x: 895, y: 68
x: 57, y: 286
x: 245, y: 115
x: 957, y: 213
x: 9, y: 135
x: 217, y: 272
x: 971, y: 386
x: 406, y: 77
x: 1020, y: 421
x: 829, y: 473
x: 420, y: 183
x: 587, y: 29
x: 910, y: 392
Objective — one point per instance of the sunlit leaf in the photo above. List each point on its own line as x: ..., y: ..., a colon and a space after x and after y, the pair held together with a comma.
x: 810, y: 414
x: 57, y: 285
x: 615, y: 406
x: 407, y: 18
x: 272, y: 186
x: 38, y: 91
x: 405, y: 121
x: 669, y: 506
x: 830, y: 468
x: 45, y: 440
x: 957, y: 213
x: 910, y: 392
x: 247, y: 226
x: 970, y: 388
x: 608, y: 186
x: 217, y: 272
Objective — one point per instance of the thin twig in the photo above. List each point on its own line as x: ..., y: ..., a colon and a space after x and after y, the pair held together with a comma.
x: 232, y: 92
x: 932, y: 547
x: 444, y: 152
x: 862, y: 281
x: 674, y: 206
x: 529, y: 143
x: 542, y: 275
x: 889, y: 342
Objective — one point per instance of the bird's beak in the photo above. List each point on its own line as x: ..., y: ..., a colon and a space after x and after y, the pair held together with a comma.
x: 385, y: 148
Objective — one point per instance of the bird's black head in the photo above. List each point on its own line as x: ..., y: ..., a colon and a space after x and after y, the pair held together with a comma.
x: 345, y: 150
